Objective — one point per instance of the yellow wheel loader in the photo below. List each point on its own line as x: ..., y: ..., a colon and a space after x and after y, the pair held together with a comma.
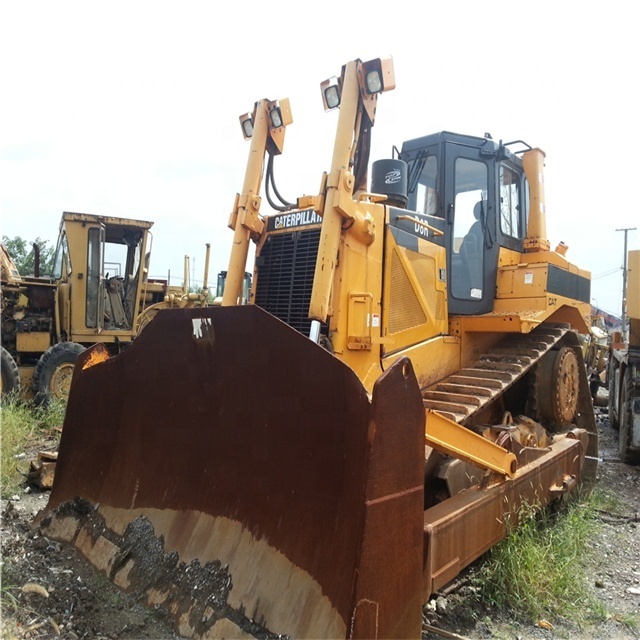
x: 98, y: 292
x: 406, y: 376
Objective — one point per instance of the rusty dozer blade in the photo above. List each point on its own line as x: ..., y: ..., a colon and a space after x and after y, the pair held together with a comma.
x: 230, y: 470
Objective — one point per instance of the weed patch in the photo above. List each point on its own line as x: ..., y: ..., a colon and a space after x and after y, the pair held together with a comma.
x: 24, y: 426
x: 537, y: 571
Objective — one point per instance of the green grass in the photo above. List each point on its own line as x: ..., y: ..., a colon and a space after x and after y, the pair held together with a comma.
x: 23, y: 426
x: 538, y: 570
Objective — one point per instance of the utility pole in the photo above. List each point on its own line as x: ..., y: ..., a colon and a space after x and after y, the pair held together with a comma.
x: 625, y: 335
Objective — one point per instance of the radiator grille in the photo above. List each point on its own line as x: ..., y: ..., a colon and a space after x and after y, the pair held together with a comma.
x: 285, y: 270
x: 425, y: 270
x: 405, y: 311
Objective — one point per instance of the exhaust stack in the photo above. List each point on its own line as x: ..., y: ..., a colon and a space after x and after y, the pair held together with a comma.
x: 536, y: 240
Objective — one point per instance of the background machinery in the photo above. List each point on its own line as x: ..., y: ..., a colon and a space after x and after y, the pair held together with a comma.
x: 98, y: 291
x: 624, y: 371
x: 595, y: 349
x: 406, y: 376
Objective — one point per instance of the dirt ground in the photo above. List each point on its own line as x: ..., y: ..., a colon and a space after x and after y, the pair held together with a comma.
x: 48, y: 591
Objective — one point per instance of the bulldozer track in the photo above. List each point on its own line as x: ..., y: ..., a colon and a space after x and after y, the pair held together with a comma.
x: 463, y: 394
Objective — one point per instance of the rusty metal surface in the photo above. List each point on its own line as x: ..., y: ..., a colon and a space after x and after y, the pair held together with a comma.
x: 41, y: 295
x: 224, y: 421
x: 460, y: 529
x: 389, y: 589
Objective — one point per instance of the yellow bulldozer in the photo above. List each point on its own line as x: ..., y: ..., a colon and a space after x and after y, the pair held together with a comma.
x: 406, y: 376
x: 98, y: 290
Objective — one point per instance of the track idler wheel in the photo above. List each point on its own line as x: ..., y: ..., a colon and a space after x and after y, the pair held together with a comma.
x: 559, y: 387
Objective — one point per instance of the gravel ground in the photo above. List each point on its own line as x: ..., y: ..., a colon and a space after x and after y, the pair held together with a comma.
x: 48, y: 591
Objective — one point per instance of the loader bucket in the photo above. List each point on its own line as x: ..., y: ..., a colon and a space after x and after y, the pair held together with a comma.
x: 233, y: 472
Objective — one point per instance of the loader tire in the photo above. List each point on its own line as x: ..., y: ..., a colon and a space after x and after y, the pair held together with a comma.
x: 10, y: 380
x: 626, y: 418
x: 53, y: 372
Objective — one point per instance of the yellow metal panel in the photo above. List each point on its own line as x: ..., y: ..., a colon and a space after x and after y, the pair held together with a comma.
x: 360, y: 321
x: 415, y: 304
x: 633, y: 285
x: 77, y: 234
x: 432, y: 359
x: 522, y: 281
x: 507, y: 257
x: 522, y: 315
x: 64, y: 309
x: 551, y: 257
x: 496, y: 322
x: 34, y: 341
x: 359, y: 274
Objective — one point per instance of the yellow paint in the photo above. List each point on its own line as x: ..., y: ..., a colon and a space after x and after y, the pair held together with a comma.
x: 33, y: 341
x: 455, y: 440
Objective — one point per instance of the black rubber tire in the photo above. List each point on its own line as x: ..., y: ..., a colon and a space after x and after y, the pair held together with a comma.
x: 10, y: 375
x: 53, y: 372
x: 626, y: 417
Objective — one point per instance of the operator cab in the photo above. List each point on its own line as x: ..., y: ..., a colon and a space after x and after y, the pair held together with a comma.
x: 103, y: 259
x: 475, y: 191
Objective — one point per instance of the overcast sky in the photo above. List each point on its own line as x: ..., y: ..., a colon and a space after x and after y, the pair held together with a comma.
x: 131, y: 108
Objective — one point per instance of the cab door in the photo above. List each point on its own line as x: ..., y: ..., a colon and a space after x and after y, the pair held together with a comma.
x: 470, y: 229
x: 94, y: 315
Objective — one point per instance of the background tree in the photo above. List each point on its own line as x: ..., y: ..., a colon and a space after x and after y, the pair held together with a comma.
x: 23, y: 254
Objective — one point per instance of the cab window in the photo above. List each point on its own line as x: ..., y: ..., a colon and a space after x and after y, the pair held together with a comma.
x: 61, y: 259
x: 424, y: 198
x: 94, y: 275
x: 510, y: 218
x: 469, y: 229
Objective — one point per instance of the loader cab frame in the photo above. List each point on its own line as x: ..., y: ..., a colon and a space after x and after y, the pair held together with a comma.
x: 478, y: 188
x: 100, y: 262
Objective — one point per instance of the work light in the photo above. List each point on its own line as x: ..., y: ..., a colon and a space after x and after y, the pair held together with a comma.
x: 378, y: 75
x: 373, y: 81
x: 276, y: 117
x: 246, y: 122
x: 330, y: 94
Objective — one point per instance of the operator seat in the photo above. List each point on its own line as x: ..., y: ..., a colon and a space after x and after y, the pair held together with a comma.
x: 472, y: 247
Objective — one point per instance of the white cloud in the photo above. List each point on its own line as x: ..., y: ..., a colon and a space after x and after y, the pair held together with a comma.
x: 130, y: 108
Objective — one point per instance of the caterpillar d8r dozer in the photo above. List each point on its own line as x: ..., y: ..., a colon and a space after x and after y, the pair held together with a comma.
x: 407, y: 374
